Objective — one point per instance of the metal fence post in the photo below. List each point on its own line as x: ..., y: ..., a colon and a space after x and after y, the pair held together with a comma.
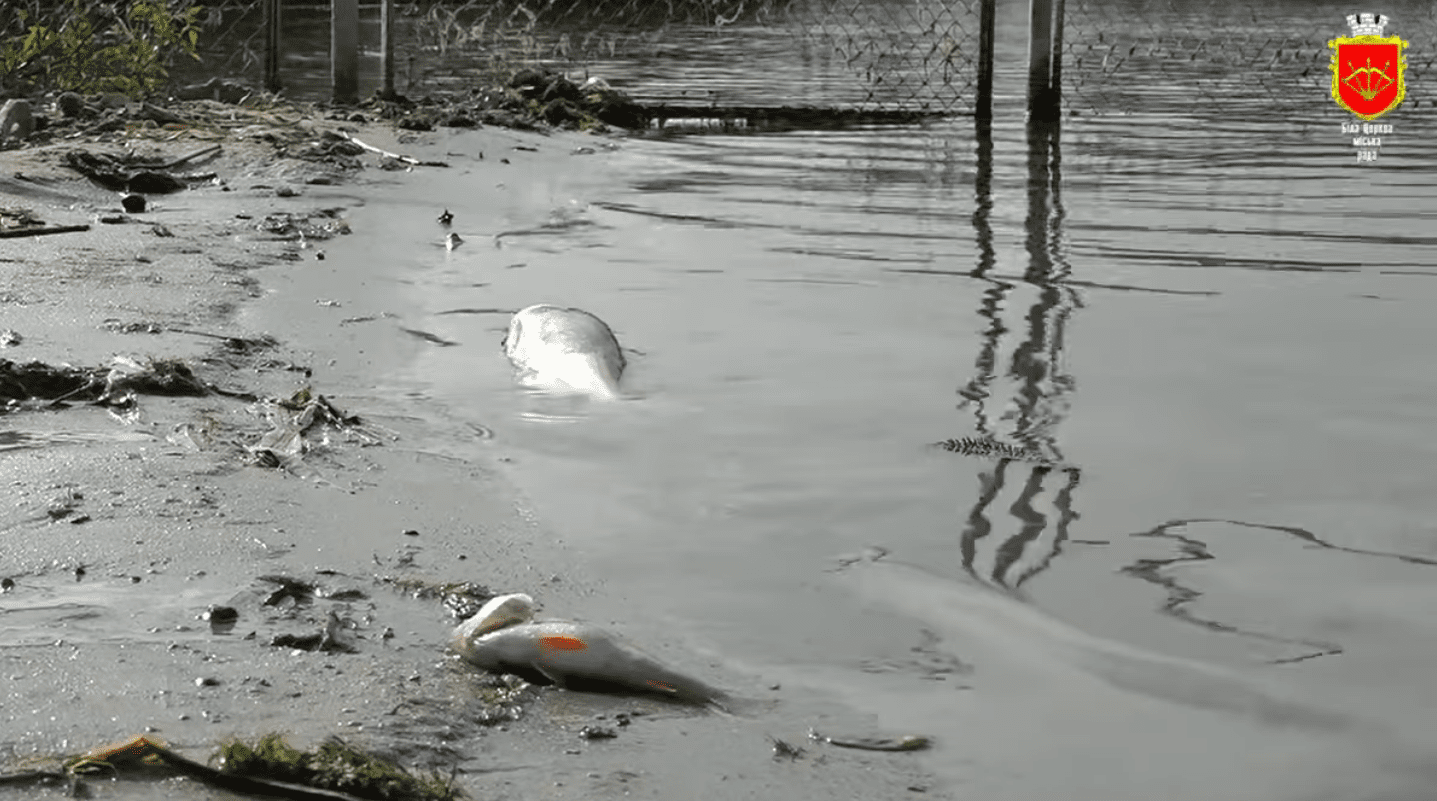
x: 344, y: 50
x: 386, y: 48
x: 988, y: 12
x: 1055, y: 82
x: 271, y: 45
x: 1044, y: 96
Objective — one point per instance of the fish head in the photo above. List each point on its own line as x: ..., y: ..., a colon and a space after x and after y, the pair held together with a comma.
x: 500, y: 612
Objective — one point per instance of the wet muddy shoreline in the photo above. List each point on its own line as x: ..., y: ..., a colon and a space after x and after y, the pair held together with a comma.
x: 185, y: 566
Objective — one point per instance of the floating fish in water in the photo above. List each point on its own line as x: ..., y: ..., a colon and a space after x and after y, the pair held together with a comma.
x: 452, y: 241
x: 502, y: 638
x: 564, y: 350
x: 446, y: 218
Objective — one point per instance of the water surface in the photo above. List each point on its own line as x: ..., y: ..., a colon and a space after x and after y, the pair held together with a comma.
x: 1226, y: 335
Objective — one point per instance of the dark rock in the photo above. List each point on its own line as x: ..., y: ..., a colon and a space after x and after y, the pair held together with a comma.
x: 70, y: 104
x: 134, y: 204
x: 560, y: 88
x: 16, y: 121
x: 505, y: 119
x: 615, y: 108
x: 416, y: 122
x: 563, y: 112
x: 532, y: 80
x: 217, y: 614
x: 155, y: 183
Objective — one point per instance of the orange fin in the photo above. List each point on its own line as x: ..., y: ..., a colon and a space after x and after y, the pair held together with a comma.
x: 562, y: 644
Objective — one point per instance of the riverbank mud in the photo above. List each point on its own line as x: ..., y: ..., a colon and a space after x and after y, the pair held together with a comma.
x: 209, y: 565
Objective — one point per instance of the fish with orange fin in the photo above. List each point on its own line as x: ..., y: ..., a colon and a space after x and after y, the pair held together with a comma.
x: 502, y: 637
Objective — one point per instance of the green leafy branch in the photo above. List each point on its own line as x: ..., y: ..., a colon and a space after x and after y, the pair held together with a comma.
x: 124, y: 47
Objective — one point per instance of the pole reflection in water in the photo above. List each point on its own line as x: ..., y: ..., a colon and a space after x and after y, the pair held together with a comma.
x: 1019, y: 393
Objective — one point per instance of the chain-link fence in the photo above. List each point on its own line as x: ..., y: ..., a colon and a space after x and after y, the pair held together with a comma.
x: 1242, y: 58
x: 899, y: 55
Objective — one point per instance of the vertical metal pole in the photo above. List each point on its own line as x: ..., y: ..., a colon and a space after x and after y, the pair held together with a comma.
x: 1055, y: 83
x: 1040, y: 58
x: 344, y: 50
x: 271, y: 45
x: 988, y: 12
x: 386, y: 48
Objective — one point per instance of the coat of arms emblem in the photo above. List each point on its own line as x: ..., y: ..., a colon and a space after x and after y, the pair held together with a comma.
x: 1367, y: 68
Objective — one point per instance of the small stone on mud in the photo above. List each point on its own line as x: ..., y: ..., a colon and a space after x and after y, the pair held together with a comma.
x: 207, y: 681
x: 409, y: 532
x: 70, y: 104
x: 220, y: 614
x: 133, y: 204
x: 7, y: 584
x: 597, y: 733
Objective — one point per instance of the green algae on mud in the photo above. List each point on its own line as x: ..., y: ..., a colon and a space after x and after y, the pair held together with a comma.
x: 268, y: 767
x: 335, y: 765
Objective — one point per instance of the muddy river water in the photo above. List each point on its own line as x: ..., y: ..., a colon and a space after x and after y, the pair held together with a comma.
x: 1223, y: 337
x: 1206, y: 328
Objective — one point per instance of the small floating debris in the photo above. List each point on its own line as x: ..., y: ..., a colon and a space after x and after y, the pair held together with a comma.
x: 912, y: 742
x: 291, y: 419
x: 446, y: 219
x: 330, y: 638
x: 987, y: 447
x: 783, y: 749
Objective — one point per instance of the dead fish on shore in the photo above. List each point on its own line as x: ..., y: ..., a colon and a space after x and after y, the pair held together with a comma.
x: 502, y: 638
x: 564, y: 350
